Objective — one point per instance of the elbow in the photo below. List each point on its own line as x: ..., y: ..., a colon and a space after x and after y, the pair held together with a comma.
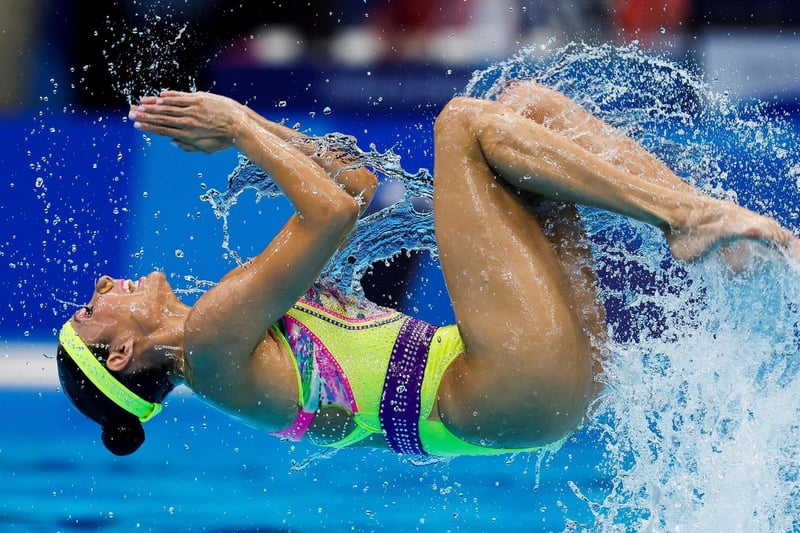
x: 346, y: 215
x: 369, y: 187
x: 360, y: 183
x: 349, y: 211
x: 339, y: 213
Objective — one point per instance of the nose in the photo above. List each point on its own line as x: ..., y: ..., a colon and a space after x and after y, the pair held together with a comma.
x: 104, y: 284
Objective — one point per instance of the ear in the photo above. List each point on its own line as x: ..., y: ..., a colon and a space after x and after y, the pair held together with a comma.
x: 120, y: 356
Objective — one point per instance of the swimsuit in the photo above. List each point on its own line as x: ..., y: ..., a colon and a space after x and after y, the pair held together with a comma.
x: 379, y: 365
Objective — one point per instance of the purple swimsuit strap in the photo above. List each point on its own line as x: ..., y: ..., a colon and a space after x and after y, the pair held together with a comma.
x: 400, y: 402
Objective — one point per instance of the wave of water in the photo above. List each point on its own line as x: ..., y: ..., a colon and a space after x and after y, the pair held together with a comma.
x: 701, y: 413
x: 700, y: 419
x: 406, y: 224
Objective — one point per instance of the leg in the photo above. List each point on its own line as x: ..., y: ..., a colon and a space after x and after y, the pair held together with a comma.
x: 541, y: 160
x: 557, y: 112
x: 563, y: 227
x: 526, y: 376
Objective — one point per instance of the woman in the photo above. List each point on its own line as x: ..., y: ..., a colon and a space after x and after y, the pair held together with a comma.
x: 268, y: 346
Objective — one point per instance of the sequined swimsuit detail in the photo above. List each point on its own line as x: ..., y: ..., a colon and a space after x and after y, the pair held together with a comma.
x: 382, y: 367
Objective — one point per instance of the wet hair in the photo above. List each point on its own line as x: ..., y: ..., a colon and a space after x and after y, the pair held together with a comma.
x: 123, y: 433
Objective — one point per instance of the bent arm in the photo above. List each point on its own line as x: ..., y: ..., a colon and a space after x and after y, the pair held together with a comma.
x: 358, y: 182
x: 229, y: 321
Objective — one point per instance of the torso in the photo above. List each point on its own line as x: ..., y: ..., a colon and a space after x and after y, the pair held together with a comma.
x: 266, y: 394
x: 341, y: 346
x: 363, y: 339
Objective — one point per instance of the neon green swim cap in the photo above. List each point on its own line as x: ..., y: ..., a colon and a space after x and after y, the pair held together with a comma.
x: 102, y: 378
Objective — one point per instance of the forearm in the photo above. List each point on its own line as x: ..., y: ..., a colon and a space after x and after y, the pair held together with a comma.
x: 358, y: 182
x: 199, y: 121
x: 302, y: 179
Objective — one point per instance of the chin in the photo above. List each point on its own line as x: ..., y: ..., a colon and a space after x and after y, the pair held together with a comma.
x: 158, y: 280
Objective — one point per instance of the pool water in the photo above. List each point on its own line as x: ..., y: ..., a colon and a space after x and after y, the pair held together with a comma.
x: 201, y: 471
x: 698, y: 431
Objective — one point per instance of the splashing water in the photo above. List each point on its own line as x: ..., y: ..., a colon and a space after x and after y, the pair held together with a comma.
x: 144, y: 52
x: 407, y: 224
x: 700, y: 419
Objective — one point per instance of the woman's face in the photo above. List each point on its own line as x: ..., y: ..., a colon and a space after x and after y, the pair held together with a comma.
x: 124, y: 308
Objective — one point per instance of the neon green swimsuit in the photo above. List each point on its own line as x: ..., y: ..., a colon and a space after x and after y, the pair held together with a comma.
x: 382, y: 366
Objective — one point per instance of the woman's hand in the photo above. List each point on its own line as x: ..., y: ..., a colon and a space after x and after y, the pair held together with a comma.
x: 200, y: 121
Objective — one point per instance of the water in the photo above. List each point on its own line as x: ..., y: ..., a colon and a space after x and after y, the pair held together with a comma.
x: 201, y: 471
x: 699, y: 421
x: 701, y: 411
x: 697, y: 432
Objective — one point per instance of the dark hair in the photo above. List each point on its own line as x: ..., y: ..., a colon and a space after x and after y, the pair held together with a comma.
x: 123, y: 433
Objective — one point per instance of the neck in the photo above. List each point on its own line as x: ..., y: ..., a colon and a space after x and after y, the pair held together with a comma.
x: 168, y: 342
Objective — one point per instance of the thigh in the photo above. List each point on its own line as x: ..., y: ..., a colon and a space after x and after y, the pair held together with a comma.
x: 527, y: 366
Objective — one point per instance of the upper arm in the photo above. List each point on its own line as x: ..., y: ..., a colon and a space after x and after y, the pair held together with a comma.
x: 227, y: 322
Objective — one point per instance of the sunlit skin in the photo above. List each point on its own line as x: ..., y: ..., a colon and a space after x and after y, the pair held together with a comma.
x: 147, y: 311
x: 513, y: 253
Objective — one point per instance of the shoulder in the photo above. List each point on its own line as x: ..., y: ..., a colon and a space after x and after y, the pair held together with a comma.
x: 260, y: 390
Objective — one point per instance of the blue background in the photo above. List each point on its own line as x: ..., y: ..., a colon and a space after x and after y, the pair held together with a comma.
x: 84, y: 195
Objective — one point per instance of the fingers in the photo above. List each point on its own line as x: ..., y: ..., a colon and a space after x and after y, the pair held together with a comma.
x: 185, y: 146
x: 184, y: 117
x: 155, y: 129
x: 159, y: 108
x: 155, y: 112
x: 177, y: 94
x: 168, y: 103
x: 152, y: 99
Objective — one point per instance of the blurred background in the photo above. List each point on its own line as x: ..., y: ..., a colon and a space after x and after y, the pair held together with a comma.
x: 98, y: 48
x: 86, y: 195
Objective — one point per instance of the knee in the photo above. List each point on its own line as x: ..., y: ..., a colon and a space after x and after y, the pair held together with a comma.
x: 459, y: 113
x: 533, y: 100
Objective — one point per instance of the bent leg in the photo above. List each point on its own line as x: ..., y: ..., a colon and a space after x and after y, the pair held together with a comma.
x: 535, y: 158
x: 557, y: 112
x: 526, y: 376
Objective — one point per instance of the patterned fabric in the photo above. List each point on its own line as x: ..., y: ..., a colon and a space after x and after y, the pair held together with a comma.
x: 382, y: 366
x: 322, y: 381
x: 322, y: 323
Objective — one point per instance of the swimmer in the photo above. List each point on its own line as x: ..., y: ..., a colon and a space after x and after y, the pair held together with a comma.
x: 276, y: 349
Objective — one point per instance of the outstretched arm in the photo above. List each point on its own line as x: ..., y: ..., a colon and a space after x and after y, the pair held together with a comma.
x: 227, y: 323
